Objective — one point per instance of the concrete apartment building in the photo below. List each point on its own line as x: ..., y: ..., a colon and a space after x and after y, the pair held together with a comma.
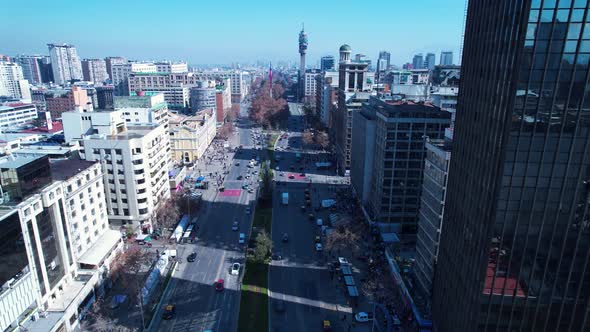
x: 445, y: 97
x: 65, y: 63
x: 362, y: 151
x: 171, y: 67
x: 56, y: 263
x: 32, y: 66
x: 58, y: 101
x: 14, y: 115
x: 132, y: 145
x: 110, y: 61
x: 240, y: 81
x: 398, y: 160
x: 121, y: 72
x: 310, y: 85
x: 12, y: 81
x: 95, y: 70
x: 432, y: 205
x: 326, y: 95
x: 191, y: 135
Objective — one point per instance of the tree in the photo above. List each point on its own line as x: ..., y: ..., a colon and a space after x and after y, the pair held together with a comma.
x: 167, y: 213
x: 97, y: 319
x: 263, y: 247
x: 342, y: 238
x: 308, y: 137
x: 266, y: 176
x: 225, y: 130
x: 126, y: 268
x: 322, y: 139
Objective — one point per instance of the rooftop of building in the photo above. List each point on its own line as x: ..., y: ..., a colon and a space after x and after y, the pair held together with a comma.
x: 12, y: 106
x: 443, y: 144
x: 192, y: 121
x: 134, y: 131
x: 56, y: 127
x: 16, y: 161
x: 66, y: 168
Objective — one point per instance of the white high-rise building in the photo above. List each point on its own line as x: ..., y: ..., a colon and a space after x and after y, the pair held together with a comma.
x: 122, y: 71
x: 134, y: 155
x: 94, y: 70
x: 12, y: 82
x: 65, y: 63
x: 171, y: 67
x: 57, y: 244
x: 239, y: 81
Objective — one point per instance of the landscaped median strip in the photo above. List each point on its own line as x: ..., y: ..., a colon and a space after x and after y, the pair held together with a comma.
x: 254, y: 290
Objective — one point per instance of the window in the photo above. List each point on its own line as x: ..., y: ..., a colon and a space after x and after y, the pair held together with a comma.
x: 72, y: 202
x: 121, y: 181
x: 69, y: 188
x: 81, y: 195
x: 118, y: 151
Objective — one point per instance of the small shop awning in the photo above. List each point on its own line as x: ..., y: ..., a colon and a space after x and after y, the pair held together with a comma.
x: 95, y: 254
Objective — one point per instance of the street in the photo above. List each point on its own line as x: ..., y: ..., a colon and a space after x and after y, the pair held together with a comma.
x: 302, y: 280
x: 198, y: 305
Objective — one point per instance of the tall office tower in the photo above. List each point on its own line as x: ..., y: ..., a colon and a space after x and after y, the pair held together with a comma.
x: 94, y: 70
x: 32, y: 67
x: 446, y: 58
x: 418, y: 61
x: 111, y: 61
x: 383, y: 63
x: 302, y: 51
x: 46, y: 69
x: 327, y: 63
x: 65, y: 63
x: 430, y: 61
x: 515, y: 248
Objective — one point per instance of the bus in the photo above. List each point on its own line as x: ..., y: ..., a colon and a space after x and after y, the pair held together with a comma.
x: 298, y: 157
x: 186, y: 237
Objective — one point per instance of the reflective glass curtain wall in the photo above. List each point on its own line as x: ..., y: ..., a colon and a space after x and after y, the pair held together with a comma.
x: 515, y: 250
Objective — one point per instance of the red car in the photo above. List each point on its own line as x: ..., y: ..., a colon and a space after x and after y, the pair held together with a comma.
x: 219, y: 285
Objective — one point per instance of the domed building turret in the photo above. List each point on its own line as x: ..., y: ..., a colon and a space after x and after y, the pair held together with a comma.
x: 345, y: 51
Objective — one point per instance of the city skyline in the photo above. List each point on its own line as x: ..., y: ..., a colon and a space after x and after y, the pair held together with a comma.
x: 243, y: 37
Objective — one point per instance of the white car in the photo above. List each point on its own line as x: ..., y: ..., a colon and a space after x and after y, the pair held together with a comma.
x: 319, y: 222
x: 235, y: 226
x: 362, y: 317
x: 318, y: 247
x: 235, y: 269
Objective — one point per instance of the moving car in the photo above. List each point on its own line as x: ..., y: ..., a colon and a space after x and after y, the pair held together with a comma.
x: 363, y: 317
x: 285, y: 237
x: 291, y: 176
x: 235, y: 269
x: 319, y: 222
x: 276, y: 256
x: 250, y: 190
x: 248, y: 210
x: 242, y: 239
x: 245, y: 186
x: 191, y: 258
x: 326, y: 326
x: 240, y: 177
x: 318, y: 247
x: 169, y: 312
x: 235, y: 226
x: 219, y: 285
x: 237, y: 164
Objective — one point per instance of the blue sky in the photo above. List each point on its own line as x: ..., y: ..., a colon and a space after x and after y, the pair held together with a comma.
x: 216, y: 31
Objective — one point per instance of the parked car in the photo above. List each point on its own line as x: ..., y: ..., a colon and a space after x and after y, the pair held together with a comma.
x: 363, y: 317
x: 240, y: 177
x: 169, y: 312
x: 318, y: 247
x: 191, y: 258
x: 235, y: 269
x: 219, y: 285
x: 276, y: 256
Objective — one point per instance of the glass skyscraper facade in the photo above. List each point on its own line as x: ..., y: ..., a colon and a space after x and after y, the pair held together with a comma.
x: 515, y: 249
